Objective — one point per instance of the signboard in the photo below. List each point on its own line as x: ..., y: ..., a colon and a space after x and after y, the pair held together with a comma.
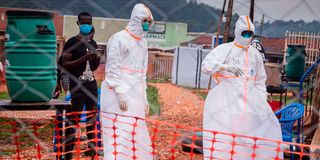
x: 156, y: 36
x: 158, y: 28
x: 157, y: 33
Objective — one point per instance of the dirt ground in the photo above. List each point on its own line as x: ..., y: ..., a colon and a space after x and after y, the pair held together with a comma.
x: 178, y: 106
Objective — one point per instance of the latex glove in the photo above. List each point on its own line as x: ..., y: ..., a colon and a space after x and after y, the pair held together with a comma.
x: 122, y: 102
x: 237, y: 71
x: 147, y: 109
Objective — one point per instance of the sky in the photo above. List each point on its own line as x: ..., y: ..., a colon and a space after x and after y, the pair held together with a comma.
x: 307, y: 10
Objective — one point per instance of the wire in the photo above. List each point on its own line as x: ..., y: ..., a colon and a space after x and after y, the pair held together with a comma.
x: 290, y: 10
x: 311, y: 9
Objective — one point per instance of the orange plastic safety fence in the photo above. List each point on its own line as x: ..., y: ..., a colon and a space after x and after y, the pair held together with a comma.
x: 125, y: 137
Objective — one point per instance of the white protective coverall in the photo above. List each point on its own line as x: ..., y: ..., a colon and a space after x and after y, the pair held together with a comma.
x: 238, y: 104
x: 126, y: 69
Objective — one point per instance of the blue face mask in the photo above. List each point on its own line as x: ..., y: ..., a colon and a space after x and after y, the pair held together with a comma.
x: 85, y: 28
x: 145, y: 26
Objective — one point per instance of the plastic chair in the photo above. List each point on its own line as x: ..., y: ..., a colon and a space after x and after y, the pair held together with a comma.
x: 288, y: 116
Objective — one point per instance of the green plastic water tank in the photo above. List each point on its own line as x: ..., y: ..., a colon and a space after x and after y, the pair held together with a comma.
x: 31, y: 54
x: 295, y: 61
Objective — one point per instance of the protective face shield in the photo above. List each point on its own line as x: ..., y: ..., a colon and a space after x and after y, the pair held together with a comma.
x: 244, y: 31
x: 85, y: 29
x: 247, y: 34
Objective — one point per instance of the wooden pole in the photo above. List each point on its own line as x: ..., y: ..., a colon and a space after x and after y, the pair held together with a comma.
x: 261, y: 26
x: 220, y: 23
x: 228, y: 22
x: 251, y: 9
x: 218, y: 34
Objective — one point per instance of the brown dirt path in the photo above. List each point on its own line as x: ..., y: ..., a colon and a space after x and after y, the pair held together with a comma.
x: 178, y: 106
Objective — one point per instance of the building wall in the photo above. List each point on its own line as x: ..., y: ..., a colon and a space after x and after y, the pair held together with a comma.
x: 173, y: 34
x: 104, y: 27
x: 176, y: 33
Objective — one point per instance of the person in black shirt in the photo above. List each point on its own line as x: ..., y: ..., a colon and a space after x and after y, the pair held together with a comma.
x: 80, y: 59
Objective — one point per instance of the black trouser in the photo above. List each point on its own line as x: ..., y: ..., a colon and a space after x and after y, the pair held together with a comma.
x: 85, y: 96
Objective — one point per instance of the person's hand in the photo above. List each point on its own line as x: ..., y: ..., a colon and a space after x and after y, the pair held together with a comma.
x: 90, y: 55
x: 122, y: 102
x: 237, y: 71
x: 98, y: 52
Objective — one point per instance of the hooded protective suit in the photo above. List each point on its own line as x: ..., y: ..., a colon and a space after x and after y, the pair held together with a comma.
x: 238, y: 104
x: 126, y: 70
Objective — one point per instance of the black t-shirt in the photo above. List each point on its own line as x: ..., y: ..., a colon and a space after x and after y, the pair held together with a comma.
x: 78, y: 48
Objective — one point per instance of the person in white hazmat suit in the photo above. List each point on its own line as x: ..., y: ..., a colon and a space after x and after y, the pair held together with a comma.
x: 123, y: 92
x: 237, y: 105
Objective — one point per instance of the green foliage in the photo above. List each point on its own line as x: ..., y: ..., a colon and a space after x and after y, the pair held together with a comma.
x: 4, y: 95
x: 165, y: 80
x: 200, y: 17
x: 279, y: 27
x: 202, y: 95
x: 152, y: 94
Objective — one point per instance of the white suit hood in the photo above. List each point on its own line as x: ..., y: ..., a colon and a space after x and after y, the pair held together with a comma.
x: 139, y: 12
x: 243, y: 24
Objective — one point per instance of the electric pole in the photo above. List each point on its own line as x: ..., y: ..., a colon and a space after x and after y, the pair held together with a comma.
x: 251, y: 10
x: 218, y: 34
x: 219, y: 24
x: 228, y: 22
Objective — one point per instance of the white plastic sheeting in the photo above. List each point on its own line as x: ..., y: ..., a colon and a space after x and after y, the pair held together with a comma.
x: 186, y: 68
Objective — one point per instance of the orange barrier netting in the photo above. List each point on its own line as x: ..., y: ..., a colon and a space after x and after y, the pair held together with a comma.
x: 126, y: 137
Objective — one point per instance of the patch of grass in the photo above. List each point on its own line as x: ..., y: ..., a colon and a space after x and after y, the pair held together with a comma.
x: 24, y: 139
x: 165, y: 80
x: 197, y: 91
x: 4, y: 95
x: 45, y: 129
x: 6, y: 153
x: 202, y: 95
x: 5, y: 128
x: 152, y: 94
